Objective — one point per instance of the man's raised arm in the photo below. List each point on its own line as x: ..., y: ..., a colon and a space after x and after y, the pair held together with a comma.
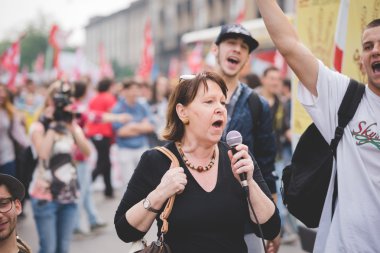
x: 298, y: 56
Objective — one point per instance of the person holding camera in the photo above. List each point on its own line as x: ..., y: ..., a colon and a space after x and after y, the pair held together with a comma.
x: 54, y: 188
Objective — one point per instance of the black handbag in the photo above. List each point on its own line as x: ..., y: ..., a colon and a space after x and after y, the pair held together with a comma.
x: 159, y: 246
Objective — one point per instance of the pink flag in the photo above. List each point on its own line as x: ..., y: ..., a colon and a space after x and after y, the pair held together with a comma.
x: 25, y: 71
x: 39, y: 63
x: 341, y: 34
x: 53, y: 41
x: 57, y: 40
x: 173, y: 68
x: 10, y: 61
x: 195, y: 58
x: 105, y: 66
x: 146, y: 63
x: 241, y: 7
x: 280, y: 63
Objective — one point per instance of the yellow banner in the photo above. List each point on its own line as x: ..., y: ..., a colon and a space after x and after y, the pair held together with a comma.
x: 360, y: 14
x: 315, y: 22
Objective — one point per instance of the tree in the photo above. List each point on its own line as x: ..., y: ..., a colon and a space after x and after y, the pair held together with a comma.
x: 121, y: 71
x: 4, y: 45
x: 34, y: 43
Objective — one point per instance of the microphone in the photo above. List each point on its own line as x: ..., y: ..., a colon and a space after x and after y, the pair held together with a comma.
x: 233, y: 139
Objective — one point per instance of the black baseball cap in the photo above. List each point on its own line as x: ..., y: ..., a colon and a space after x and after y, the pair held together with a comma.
x: 15, y: 187
x: 237, y: 30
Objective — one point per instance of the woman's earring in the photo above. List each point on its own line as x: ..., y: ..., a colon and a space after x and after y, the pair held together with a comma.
x: 185, y: 121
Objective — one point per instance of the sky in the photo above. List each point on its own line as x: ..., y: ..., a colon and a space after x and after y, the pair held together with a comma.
x: 70, y: 15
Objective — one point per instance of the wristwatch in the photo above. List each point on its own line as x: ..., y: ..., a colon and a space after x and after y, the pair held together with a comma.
x: 147, y: 206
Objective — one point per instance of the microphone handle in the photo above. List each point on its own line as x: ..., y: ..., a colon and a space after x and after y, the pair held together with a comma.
x: 242, y: 176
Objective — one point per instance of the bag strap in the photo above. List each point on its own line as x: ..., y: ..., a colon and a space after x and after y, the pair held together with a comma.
x: 346, y: 112
x: 169, y: 205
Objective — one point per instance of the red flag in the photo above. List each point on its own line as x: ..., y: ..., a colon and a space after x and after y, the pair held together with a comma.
x: 57, y: 40
x: 10, y: 61
x: 146, y: 63
x: 105, y: 67
x: 341, y: 34
x: 195, y: 58
x: 55, y: 45
x: 241, y: 10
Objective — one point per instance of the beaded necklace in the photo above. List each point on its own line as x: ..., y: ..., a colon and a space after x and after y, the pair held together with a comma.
x: 191, y: 166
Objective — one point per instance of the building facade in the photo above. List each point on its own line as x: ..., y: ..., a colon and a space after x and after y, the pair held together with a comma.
x: 122, y: 33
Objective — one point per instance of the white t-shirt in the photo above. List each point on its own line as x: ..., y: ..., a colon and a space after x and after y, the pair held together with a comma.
x: 356, y: 223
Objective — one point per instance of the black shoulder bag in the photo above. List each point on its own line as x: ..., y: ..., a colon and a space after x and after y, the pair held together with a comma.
x: 306, y: 180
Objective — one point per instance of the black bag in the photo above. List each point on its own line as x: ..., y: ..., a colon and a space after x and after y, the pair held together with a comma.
x: 306, y: 180
x: 28, y: 164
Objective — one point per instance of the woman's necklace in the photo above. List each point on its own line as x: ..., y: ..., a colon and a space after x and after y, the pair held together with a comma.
x: 191, y: 166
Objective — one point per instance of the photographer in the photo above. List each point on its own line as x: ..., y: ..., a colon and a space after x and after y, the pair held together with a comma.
x: 54, y: 188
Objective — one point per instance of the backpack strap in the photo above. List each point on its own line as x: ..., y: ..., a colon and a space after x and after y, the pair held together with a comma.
x: 256, y: 107
x: 346, y: 112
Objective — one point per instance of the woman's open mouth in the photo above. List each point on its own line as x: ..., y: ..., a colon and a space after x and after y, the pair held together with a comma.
x: 218, y: 124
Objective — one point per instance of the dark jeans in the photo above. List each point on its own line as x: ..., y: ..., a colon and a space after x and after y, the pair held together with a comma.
x: 103, y: 163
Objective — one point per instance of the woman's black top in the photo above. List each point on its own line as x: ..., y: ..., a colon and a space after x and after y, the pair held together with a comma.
x: 200, y: 221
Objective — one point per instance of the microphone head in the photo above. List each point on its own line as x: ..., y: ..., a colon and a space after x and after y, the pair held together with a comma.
x: 234, y: 138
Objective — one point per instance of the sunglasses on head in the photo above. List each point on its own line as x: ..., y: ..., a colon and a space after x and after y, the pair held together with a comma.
x: 186, y: 77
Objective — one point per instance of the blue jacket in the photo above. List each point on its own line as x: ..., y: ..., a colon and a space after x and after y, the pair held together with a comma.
x: 262, y: 145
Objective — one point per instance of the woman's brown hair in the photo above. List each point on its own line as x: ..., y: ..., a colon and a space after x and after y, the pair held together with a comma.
x: 8, y: 105
x: 184, y: 93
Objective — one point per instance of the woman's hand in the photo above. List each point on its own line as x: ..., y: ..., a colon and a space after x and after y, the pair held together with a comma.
x: 241, y: 162
x: 48, y: 112
x: 173, y: 182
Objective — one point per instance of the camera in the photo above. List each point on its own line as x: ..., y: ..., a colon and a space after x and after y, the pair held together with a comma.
x: 61, y: 99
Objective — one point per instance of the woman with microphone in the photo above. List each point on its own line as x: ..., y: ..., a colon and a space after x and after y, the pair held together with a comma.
x: 210, y: 209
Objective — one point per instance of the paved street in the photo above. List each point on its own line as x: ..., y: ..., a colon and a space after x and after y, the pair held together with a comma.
x: 104, y: 240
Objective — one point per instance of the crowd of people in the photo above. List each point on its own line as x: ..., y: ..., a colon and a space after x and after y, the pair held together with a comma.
x: 57, y: 136
x: 54, y: 128
x: 48, y: 134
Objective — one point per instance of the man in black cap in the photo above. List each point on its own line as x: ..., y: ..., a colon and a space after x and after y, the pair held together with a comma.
x: 12, y: 191
x: 247, y: 112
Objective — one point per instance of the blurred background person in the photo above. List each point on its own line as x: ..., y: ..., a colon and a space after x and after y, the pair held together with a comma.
x: 271, y: 89
x: 12, y: 134
x: 131, y: 137
x: 83, y: 115
x: 54, y: 196
x: 146, y: 92
x: 158, y: 106
x: 252, y: 80
x: 84, y: 171
x: 29, y: 102
x: 101, y: 134
x: 286, y: 140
